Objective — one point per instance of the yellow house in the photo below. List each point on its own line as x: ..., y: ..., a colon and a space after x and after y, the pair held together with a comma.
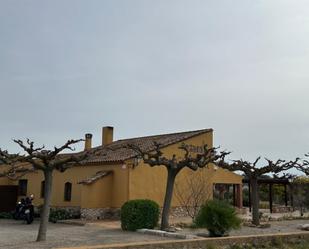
x: 112, y: 175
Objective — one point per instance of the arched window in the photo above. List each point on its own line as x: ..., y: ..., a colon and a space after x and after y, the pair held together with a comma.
x: 67, y: 191
x: 42, y: 189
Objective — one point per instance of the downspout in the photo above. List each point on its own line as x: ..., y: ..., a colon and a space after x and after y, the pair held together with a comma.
x: 129, y: 180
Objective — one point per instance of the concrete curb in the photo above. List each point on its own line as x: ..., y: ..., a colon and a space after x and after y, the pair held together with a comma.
x: 201, y: 243
x: 72, y: 222
x: 164, y: 234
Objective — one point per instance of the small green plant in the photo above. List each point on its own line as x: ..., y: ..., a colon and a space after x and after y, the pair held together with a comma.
x: 277, y: 242
x: 218, y: 217
x: 235, y: 246
x: 211, y: 246
x: 263, y: 205
x: 59, y: 214
x: 137, y: 214
x: 6, y: 215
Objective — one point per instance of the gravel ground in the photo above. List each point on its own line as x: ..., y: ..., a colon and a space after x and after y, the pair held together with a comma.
x: 285, y: 226
x: 15, y: 235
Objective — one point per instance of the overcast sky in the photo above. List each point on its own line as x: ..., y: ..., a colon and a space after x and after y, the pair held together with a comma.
x: 150, y: 67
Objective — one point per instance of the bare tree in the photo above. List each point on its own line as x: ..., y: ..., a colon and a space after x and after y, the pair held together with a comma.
x: 174, y: 166
x: 300, y: 190
x: 193, y: 192
x: 11, y: 166
x: 47, y: 161
x: 304, y: 166
x: 252, y: 172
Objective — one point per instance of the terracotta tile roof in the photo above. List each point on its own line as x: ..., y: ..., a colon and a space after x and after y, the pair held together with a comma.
x: 115, y: 152
x: 95, y: 177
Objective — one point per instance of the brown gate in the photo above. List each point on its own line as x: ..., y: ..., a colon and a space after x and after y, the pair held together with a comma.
x: 8, y: 198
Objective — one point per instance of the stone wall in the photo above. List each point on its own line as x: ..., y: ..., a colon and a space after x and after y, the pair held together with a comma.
x: 114, y: 213
x: 182, y: 212
x: 73, y: 211
x: 100, y: 213
x: 178, y: 212
x: 282, y: 209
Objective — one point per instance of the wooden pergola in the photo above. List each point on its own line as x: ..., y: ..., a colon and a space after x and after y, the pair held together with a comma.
x: 271, y: 181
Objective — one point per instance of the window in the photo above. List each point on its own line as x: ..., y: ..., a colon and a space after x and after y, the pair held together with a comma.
x: 67, y: 191
x: 22, y: 187
x: 42, y: 189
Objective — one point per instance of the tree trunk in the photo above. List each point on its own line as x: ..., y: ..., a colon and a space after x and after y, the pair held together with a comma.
x: 255, y: 201
x: 171, y: 175
x: 48, y: 177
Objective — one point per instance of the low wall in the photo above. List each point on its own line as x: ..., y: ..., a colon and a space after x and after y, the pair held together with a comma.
x: 114, y: 213
x: 182, y: 212
x: 74, y: 211
x: 100, y: 213
x: 282, y: 209
x: 203, y: 243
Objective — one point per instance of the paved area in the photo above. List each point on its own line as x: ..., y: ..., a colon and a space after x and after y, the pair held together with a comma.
x: 15, y: 235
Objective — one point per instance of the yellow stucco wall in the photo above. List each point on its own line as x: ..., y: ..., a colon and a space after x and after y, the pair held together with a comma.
x: 150, y: 182
x: 224, y: 176
x: 4, y: 181
x: 110, y: 190
x: 99, y: 194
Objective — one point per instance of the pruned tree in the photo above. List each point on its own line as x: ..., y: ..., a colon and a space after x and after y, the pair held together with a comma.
x: 300, y: 190
x: 193, y: 192
x: 304, y: 166
x: 174, y: 165
x: 40, y: 159
x: 11, y: 167
x: 301, y: 187
x: 253, y: 173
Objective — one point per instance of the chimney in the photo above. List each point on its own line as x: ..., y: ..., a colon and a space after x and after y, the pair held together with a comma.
x: 88, y: 141
x: 107, y: 135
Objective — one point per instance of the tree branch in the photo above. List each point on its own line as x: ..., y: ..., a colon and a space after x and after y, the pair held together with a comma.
x: 304, y: 165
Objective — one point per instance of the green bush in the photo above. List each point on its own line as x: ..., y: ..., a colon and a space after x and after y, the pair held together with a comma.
x: 6, y: 215
x: 218, y: 217
x: 59, y: 214
x: 211, y: 246
x: 277, y: 242
x: 137, y: 214
x: 264, y: 205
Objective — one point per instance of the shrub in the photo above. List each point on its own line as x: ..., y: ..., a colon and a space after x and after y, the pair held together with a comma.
x: 6, y: 215
x: 211, y: 246
x: 137, y: 214
x: 59, y: 214
x: 235, y: 246
x: 263, y: 205
x: 218, y: 217
x: 277, y: 242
